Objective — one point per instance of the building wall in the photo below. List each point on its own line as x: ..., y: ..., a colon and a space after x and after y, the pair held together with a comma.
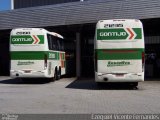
x: 33, y: 3
x: 152, y: 40
x: 79, y: 13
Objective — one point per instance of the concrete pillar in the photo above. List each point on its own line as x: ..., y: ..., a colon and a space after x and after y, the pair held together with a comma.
x: 12, y: 4
x: 78, y: 54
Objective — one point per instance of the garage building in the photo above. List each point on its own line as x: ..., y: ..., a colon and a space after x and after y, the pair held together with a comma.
x: 76, y: 20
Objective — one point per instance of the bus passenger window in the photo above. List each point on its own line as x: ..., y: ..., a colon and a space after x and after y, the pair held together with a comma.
x: 49, y: 42
x: 58, y: 45
x: 61, y: 45
x: 54, y: 43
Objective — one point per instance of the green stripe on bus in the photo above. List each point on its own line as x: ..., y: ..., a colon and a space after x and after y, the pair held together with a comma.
x: 53, y: 55
x: 119, y: 54
x: 41, y: 38
x: 63, y: 56
x: 138, y: 32
x: 33, y: 55
x: 27, y: 39
x: 119, y: 34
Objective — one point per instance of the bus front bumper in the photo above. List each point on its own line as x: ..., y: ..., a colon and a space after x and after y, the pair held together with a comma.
x: 128, y: 77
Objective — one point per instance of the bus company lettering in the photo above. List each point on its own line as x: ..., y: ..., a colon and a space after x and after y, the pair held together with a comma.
x: 121, y: 63
x: 21, y: 39
x: 25, y: 63
x: 119, y: 34
x: 113, y: 34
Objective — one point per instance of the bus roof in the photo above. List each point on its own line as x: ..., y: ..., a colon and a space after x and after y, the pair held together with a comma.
x: 35, y: 29
x: 56, y: 34
x: 116, y: 20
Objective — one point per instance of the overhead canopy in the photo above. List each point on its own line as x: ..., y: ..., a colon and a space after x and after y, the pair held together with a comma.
x: 79, y: 13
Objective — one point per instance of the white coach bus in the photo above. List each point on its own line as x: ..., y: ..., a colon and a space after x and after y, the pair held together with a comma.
x: 36, y: 53
x: 119, y: 51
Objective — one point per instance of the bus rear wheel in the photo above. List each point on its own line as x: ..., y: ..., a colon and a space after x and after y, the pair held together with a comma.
x: 59, y: 73
x: 55, y: 74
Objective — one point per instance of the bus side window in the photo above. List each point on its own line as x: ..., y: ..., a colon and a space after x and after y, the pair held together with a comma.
x: 55, y: 47
x: 58, y: 44
x: 55, y: 43
x: 49, y: 42
x: 61, y: 44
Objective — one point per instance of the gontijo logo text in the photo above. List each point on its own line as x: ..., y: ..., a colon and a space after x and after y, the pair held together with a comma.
x: 27, y: 39
x: 119, y: 33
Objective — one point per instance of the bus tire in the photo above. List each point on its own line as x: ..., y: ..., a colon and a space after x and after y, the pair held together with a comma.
x: 56, y: 74
x: 59, y: 73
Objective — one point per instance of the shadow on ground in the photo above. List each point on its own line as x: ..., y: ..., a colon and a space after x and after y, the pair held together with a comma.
x: 25, y: 81
x: 91, y: 85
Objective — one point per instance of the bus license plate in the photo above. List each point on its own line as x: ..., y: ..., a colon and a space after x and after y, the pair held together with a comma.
x: 27, y: 71
x: 119, y: 75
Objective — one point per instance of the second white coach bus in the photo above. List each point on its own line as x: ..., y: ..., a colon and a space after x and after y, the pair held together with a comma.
x: 119, y: 51
x: 36, y: 53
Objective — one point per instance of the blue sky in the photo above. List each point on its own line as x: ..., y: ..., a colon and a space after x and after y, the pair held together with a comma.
x: 5, y: 5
